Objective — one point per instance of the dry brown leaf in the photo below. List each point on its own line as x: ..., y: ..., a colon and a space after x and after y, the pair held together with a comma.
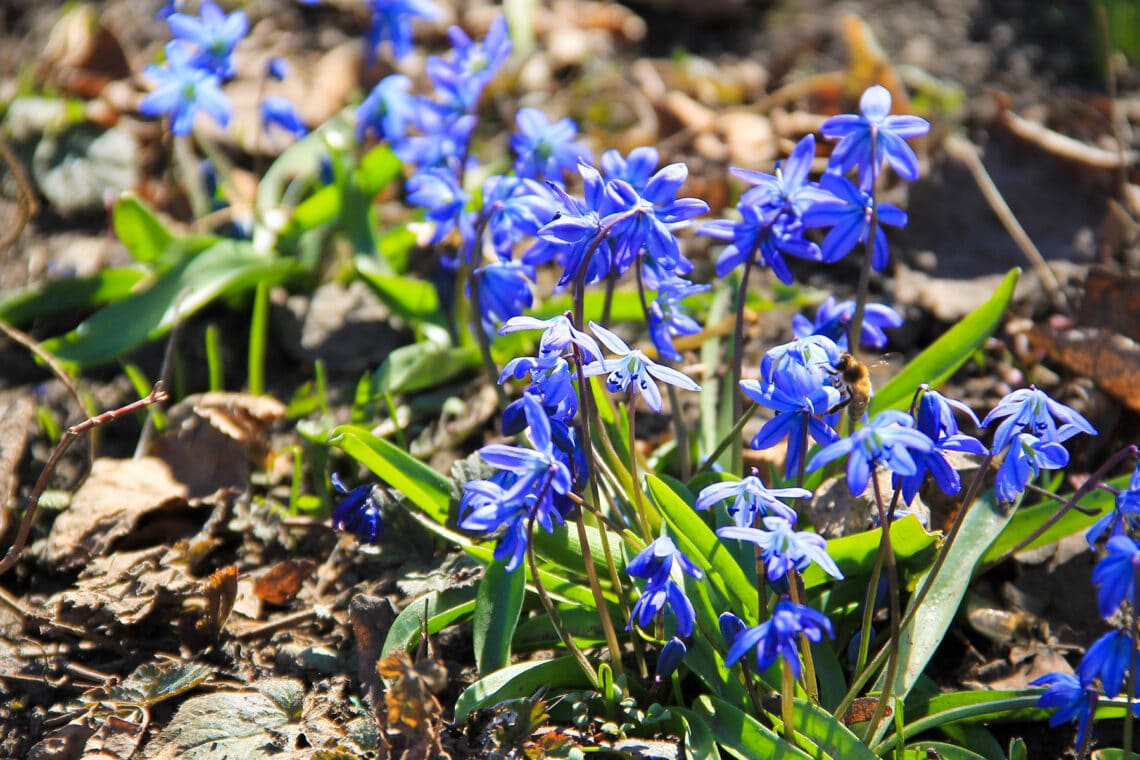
x: 1111, y: 301
x: 220, y: 591
x: 110, y: 505
x: 1109, y: 359
x: 17, y: 415
x: 412, y: 709
x: 280, y: 584
x: 127, y: 587
x: 116, y: 739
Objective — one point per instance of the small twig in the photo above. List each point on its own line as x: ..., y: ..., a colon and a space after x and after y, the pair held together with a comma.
x: 266, y: 629
x: 28, y: 342
x: 164, y: 373
x: 157, y: 394
x: 965, y: 152
x: 27, y: 206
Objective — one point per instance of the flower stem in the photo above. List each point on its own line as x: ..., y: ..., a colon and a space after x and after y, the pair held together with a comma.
x: 481, y: 336
x: 893, y: 592
x: 737, y: 443
x: 725, y: 442
x: 855, y: 329
x: 788, y: 691
x: 1131, y: 693
x: 811, y: 683
x: 599, y: 598
x: 638, y: 496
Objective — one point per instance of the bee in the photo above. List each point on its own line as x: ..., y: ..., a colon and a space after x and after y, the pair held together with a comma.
x: 1008, y: 626
x: 855, y: 378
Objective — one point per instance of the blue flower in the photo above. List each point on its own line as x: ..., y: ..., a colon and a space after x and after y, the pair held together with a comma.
x: 1115, y: 575
x: 936, y: 420
x: 655, y: 562
x: 865, y: 141
x: 573, y: 231
x: 888, y: 439
x: 783, y: 548
x: 215, y: 34
x: 815, y: 354
x: 799, y: 400
x: 444, y: 141
x: 545, y: 149
x: 751, y: 499
x: 392, y: 20
x: 504, y: 290
x: 1125, y: 512
x: 438, y: 191
x: 731, y: 626
x: 388, y: 109
x: 1027, y: 456
x: 552, y: 383
x: 636, y: 169
x: 849, y: 215
x: 537, y: 468
x: 277, y: 68
x: 462, y: 79
x: 832, y: 319
x: 1107, y: 659
x: 645, y: 219
x: 183, y: 90
x: 558, y: 334
x: 668, y: 317
x: 1070, y: 698
x: 633, y: 370
x: 515, y: 208
x: 778, y: 636
x: 1031, y: 410
x: 746, y: 236
x: 670, y: 659
x: 787, y: 190
x: 279, y: 111
x: 358, y: 512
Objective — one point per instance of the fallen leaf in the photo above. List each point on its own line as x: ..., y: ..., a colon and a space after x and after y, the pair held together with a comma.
x: 1109, y: 359
x: 110, y: 505
x: 126, y: 587
x: 280, y: 584
x: 17, y: 415
x: 154, y: 682
x: 1112, y: 302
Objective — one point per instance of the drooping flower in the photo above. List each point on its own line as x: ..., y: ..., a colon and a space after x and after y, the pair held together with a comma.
x: 668, y: 317
x: 504, y: 290
x: 537, y: 468
x: 777, y: 637
x: 783, y: 548
x: 814, y: 354
x: 1027, y: 456
x: 392, y: 20
x: 558, y: 335
x: 1107, y: 659
x: 849, y: 214
x: 280, y: 112
x: 438, y: 191
x: 388, y: 109
x: 799, y: 400
x: 214, y: 34
x: 1115, y: 575
x: 1125, y: 512
x: 1031, y: 410
x: 1070, y: 698
x: 575, y: 231
x: 545, y: 150
x: 515, y: 208
x: 655, y: 563
x: 670, y: 659
x: 184, y: 90
x: 867, y: 140
x: 751, y: 499
x: 936, y: 420
x: 635, y: 169
x: 358, y: 512
x: 832, y: 319
x: 888, y: 439
x: 632, y: 369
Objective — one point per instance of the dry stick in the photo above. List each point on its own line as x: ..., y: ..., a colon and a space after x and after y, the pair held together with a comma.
x: 156, y: 395
x: 27, y: 206
x: 273, y: 626
x: 965, y: 152
x: 28, y: 342
x: 164, y: 373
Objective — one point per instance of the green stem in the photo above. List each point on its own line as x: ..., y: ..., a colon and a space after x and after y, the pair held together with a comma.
x: 725, y: 442
x: 477, y: 316
x: 599, y: 597
x: 638, y: 496
x: 855, y: 329
x: 788, y: 692
x: 258, y: 337
x: 737, y: 443
x: 893, y: 593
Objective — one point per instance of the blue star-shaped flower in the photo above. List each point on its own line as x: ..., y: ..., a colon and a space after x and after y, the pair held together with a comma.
x: 777, y: 638
x: 358, y: 512
x: 632, y: 369
x: 800, y: 401
x: 1027, y: 456
x: 832, y: 319
x: 784, y: 549
x: 668, y: 317
x: 849, y: 216
x: 1125, y: 512
x: 889, y: 439
x: 866, y: 141
x: 1115, y: 575
x: 388, y: 109
x: 392, y: 21
x: 472, y: 65
x: 545, y: 150
x: 1031, y: 410
x: 1070, y: 698
x: 184, y: 90
x: 751, y: 499
x: 215, y: 34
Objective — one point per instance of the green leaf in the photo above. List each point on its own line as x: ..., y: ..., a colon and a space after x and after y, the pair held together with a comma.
x: 943, y: 357
x: 153, y: 682
x: 498, y: 605
x: 855, y: 554
x: 701, y: 545
x: 828, y: 733
x: 924, y: 712
x: 918, y: 640
x: 1017, y: 749
x: 699, y: 741
x: 946, y: 751
x: 422, y: 485
x: 76, y: 294
x: 226, y: 267
x: 422, y: 365
x: 143, y: 235
x: 378, y: 167
x: 742, y: 734
x: 519, y: 681
x: 413, y: 299
x: 441, y: 608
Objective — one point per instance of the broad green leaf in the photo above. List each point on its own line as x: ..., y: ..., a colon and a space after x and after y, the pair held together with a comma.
x: 930, y: 711
x: 943, y: 357
x: 918, y: 640
x: 498, y: 605
x: 422, y: 365
x: 855, y: 554
x: 226, y: 267
x: 702, y: 546
x: 742, y: 734
x: 829, y: 673
x: 699, y: 741
x: 76, y: 294
x: 563, y: 549
x: 441, y: 609
x: 413, y: 299
x: 826, y: 732
x: 537, y: 632
x: 301, y: 159
x: 1027, y: 519
x: 1112, y: 753
x: 518, y: 682
x: 143, y: 235
x: 422, y: 485
x: 153, y: 682
x: 944, y: 750
x: 378, y: 167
